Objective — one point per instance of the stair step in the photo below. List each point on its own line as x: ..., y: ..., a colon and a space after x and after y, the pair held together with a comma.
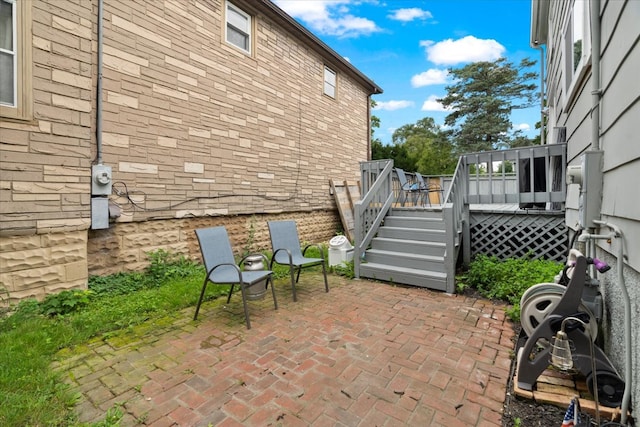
x: 407, y: 276
x: 406, y: 260
x: 414, y: 222
x: 417, y: 212
x: 428, y: 235
x: 414, y: 246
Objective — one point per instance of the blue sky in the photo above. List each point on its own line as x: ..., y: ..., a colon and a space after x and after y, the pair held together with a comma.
x: 406, y: 46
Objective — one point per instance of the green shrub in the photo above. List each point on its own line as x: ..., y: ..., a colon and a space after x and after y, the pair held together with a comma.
x: 507, y: 280
x: 345, y: 269
x: 64, y: 302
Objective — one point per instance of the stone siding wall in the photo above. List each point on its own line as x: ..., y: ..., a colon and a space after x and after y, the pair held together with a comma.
x: 193, y: 126
x: 195, y: 131
x: 45, y: 160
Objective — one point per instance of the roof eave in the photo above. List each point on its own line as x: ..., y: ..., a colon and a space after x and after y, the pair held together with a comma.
x: 539, y: 22
x: 323, y: 47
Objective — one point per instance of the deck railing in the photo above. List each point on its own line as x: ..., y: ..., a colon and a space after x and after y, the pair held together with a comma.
x: 536, y: 180
x: 538, y: 176
x: 455, y: 211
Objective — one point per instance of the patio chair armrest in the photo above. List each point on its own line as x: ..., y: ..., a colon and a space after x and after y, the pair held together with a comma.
x: 273, y: 256
x: 226, y: 264
x: 314, y: 245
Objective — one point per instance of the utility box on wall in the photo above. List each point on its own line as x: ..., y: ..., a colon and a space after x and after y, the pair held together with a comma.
x: 100, y: 180
x: 100, y: 191
x: 590, y: 202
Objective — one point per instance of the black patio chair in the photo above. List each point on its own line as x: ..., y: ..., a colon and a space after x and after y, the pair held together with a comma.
x: 425, y: 189
x: 286, y: 251
x: 406, y: 188
x: 221, y: 267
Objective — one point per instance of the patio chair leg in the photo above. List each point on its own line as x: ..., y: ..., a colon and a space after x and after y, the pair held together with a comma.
x: 293, y: 284
x: 204, y: 288
x: 324, y: 272
x: 244, y: 304
x: 230, y: 292
x: 273, y: 291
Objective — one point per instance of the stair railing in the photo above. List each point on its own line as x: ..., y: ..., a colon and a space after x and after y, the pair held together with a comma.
x: 455, y: 211
x: 377, y: 187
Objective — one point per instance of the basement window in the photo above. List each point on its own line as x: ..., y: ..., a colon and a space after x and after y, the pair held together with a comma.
x: 238, y: 29
x: 576, y: 48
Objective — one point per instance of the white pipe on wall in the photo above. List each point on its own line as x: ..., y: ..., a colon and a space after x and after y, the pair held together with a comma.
x: 616, y: 233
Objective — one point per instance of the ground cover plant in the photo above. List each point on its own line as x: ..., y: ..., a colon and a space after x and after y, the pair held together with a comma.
x: 35, y: 334
x: 507, y: 280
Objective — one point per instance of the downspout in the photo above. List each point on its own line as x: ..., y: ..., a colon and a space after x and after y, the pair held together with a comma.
x: 596, y: 91
x: 99, y: 88
x: 616, y: 232
x: 542, y: 108
x: 369, y: 129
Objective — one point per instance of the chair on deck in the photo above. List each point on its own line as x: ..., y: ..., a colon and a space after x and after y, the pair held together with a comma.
x: 221, y: 267
x: 425, y: 189
x: 286, y: 251
x: 406, y: 188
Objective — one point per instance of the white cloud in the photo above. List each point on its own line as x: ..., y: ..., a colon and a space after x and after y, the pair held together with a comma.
x: 392, y: 105
x: 431, y: 104
x: 466, y: 49
x: 430, y: 77
x: 330, y: 17
x: 523, y: 126
x: 409, y: 14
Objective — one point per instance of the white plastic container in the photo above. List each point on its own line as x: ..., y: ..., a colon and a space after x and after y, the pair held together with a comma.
x: 340, y: 251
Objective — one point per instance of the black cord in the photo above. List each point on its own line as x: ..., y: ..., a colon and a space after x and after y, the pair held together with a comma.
x: 126, y: 193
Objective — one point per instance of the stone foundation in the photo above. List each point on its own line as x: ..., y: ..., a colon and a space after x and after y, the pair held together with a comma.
x: 124, y: 246
x: 33, y: 266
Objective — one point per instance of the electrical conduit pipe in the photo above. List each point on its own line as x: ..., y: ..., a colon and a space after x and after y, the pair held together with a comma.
x: 616, y: 232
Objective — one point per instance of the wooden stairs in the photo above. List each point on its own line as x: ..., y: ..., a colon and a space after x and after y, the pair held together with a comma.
x: 409, y: 248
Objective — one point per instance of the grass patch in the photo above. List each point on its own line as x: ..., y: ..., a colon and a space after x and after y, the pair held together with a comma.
x: 507, y: 280
x: 36, y: 333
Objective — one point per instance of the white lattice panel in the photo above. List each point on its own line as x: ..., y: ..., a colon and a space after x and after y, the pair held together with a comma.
x: 514, y: 236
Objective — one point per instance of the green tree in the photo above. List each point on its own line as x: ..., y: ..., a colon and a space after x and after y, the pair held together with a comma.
x: 428, y: 150
x: 481, y: 101
x: 374, y: 124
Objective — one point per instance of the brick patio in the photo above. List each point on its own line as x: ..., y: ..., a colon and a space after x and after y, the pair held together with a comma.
x: 364, y: 354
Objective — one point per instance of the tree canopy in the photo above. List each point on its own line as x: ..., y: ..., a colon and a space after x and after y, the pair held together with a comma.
x: 480, y: 100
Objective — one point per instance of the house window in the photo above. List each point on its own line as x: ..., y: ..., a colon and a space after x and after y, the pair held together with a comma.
x: 238, y: 30
x: 329, y: 82
x: 577, y: 47
x: 15, y: 59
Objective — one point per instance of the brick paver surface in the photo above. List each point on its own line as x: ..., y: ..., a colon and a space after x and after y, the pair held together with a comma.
x: 364, y: 354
